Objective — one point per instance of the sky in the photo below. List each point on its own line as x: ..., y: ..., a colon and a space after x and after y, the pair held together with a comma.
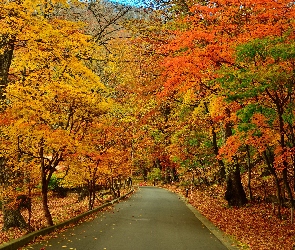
x: 136, y: 3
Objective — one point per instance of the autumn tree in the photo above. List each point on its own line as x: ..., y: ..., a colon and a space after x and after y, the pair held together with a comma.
x: 9, y: 13
x: 266, y: 88
x: 101, y: 160
x: 124, y: 70
x: 53, y: 94
x: 204, y: 43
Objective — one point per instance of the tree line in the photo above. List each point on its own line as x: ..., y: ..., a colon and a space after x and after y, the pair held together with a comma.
x: 196, y: 92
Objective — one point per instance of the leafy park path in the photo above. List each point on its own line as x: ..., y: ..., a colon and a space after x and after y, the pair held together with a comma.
x: 153, y: 218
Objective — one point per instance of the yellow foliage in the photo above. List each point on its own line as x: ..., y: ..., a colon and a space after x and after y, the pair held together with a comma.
x: 53, y: 98
x: 217, y: 106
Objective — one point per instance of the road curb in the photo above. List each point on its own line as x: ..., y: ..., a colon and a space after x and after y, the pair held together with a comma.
x: 17, y: 243
x: 229, y: 243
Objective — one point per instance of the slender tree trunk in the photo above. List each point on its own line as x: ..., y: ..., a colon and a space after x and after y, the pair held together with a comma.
x: 287, y: 185
x: 45, y: 201
x: 144, y: 173
x: 280, y: 109
x: 277, y: 182
x: 222, y: 172
x: 91, y: 194
x: 90, y: 199
x: 29, y: 206
x: 249, y: 172
x: 113, y: 189
x: 293, y: 160
x: 5, y: 62
x: 45, y: 182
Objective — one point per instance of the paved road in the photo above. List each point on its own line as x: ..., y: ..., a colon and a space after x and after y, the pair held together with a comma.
x: 152, y: 219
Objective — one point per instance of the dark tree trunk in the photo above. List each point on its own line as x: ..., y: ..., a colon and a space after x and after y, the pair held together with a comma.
x: 222, y: 173
x: 114, y: 189
x: 280, y: 109
x: 30, y: 211
x: 287, y: 185
x: 5, y: 62
x: 45, y: 204
x: 91, y: 184
x: 249, y: 172
x: 269, y: 162
x: 46, y: 174
x: 91, y: 194
x: 235, y: 194
x: 293, y: 160
x: 144, y: 173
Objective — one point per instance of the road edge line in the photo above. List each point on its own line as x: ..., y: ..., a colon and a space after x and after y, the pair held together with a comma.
x: 229, y: 243
x: 26, y: 239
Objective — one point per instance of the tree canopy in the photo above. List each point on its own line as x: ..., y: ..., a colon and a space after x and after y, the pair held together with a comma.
x: 193, y: 92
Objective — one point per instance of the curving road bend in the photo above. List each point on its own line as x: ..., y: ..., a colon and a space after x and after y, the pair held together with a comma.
x: 152, y: 219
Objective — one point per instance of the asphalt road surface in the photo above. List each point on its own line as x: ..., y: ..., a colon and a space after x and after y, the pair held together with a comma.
x: 152, y: 219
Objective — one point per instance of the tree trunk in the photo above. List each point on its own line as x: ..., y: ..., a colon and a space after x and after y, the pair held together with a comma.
x: 249, y: 172
x: 235, y: 194
x: 45, y: 204
x: 222, y: 173
x: 144, y: 174
x: 30, y: 210
x: 91, y: 194
x: 277, y: 182
x: 287, y: 185
x: 280, y: 109
x: 5, y: 62
x: 45, y: 178
x: 113, y: 188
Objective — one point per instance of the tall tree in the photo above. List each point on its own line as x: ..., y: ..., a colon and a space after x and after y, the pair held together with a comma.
x: 266, y: 87
x: 205, y: 41
x: 53, y: 94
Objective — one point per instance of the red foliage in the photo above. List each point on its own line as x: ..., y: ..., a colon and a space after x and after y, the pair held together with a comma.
x: 254, y: 225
